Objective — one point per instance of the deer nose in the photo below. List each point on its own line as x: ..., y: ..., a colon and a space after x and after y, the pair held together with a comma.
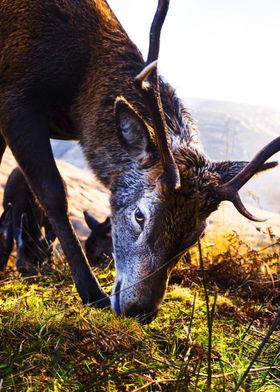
x: 145, y: 316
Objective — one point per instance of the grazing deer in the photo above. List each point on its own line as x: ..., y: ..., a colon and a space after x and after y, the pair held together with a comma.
x: 98, y: 245
x: 24, y: 219
x: 65, y: 68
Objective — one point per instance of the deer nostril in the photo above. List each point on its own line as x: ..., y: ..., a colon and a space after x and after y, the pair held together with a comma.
x: 145, y: 316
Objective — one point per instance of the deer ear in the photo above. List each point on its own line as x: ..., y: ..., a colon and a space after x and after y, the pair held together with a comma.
x: 228, y: 169
x: 6, y: 230
x: 91, y: 221
x: 107, y: 227
x: 6, y: 217
x: 134, y: 134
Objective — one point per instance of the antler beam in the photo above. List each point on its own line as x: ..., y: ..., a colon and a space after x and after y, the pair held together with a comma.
x: 147, y: 82
x: 152, y: 100
x: 155, y: 31
x: 229, y: 190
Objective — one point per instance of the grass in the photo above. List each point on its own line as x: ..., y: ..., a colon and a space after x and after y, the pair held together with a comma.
x: 50, y: 342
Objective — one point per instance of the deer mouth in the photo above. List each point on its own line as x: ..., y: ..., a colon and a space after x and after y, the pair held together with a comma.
x: 144, y: 314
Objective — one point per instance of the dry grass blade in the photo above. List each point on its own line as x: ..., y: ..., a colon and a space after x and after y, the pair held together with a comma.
x: 184, y: 368
x: 210, y: 317
x: 274, y: 326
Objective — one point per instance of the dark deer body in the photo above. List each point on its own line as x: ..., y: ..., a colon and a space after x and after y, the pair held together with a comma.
x: 25, y: 224
x: 62, y: 65
x: 6, y: 238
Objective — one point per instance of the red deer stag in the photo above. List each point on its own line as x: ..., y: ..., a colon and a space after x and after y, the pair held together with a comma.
x: 65, y: 68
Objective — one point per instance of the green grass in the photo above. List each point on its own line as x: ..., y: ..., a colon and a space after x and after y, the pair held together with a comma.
x: 50, y: 342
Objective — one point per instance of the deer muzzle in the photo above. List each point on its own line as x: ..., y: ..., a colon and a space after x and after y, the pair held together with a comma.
x: 139, y: 298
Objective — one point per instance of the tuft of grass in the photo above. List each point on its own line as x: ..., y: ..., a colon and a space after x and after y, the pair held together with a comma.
x: 50, y: 342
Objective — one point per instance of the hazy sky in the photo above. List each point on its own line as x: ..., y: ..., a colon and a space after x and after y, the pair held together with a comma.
x: 221, y: 49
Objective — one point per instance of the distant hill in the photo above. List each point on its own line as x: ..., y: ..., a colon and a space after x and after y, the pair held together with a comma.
x: 230, y: 130
x: 69, y: 152
x: 235, y: 131
x: 227, y: 131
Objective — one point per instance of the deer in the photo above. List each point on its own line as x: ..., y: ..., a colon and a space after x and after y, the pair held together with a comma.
x: 68, y: 70
x: 22, y: 222
x: 98, y: 245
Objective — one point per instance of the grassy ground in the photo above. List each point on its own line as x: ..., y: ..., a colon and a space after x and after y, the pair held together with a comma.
x: 50, y: 342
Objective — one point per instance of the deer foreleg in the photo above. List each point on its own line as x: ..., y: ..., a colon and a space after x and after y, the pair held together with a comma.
x: 27, y: 135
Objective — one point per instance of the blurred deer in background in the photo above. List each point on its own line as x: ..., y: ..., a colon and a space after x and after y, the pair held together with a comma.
x: 65, y: 68
x: 98, y: 245
x: 23, y: 218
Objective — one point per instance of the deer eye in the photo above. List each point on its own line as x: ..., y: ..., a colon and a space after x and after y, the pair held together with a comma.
x: 139, y: 217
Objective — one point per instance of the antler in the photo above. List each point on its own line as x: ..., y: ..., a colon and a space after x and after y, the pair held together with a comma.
x: 156, y: 26
x: 229, y: 190
x: 147, y: 82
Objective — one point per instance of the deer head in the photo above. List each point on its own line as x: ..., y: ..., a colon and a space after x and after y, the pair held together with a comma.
x: 98, y: 245
x: 160, y: 205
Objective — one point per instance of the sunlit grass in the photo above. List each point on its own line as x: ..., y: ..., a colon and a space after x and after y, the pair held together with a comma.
x: 50, y: 342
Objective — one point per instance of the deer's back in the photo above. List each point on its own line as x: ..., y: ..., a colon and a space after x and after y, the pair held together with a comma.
x: 73, y: 58
x: 46, y: 46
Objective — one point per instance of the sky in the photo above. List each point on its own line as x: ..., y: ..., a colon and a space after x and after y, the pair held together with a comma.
x: 214, y: 49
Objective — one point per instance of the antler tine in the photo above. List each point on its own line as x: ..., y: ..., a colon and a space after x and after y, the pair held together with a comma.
x: 151, y: 95
x: 229, y: 190
x: 236, y: 201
